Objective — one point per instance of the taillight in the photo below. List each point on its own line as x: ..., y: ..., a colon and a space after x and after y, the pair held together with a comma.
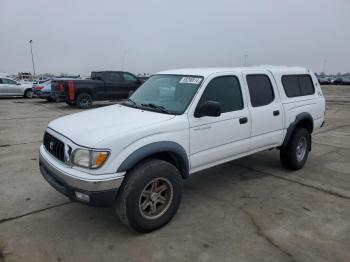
x: 61, y: 87
x: 39, y: 87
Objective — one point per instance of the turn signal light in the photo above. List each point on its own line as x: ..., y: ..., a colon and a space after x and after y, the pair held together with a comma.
x: 99, y: 159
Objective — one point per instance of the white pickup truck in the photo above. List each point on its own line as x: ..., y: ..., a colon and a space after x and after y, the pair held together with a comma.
x: 135, y: 155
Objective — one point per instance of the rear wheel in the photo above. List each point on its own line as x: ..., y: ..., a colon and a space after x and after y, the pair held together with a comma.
x: 295, y: 154
x: 28, y: 93
x: 84, y: 101
x: 149, y: 196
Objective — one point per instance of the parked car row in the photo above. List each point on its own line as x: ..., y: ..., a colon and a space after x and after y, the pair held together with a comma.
x: 345, y: 80
x: 329, y: 80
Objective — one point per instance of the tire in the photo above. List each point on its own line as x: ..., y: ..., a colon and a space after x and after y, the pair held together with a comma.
x: 136, y: 191
x: 49, y: 99
x: 71, y: 103
x: 295, y: 154
x: 84, y: 101
x: 28, y: 93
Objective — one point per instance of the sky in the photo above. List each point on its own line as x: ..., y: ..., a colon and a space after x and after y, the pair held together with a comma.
x: 79, y: 36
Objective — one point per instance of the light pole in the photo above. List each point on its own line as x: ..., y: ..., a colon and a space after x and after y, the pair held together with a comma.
x: 245, y: 60
x: 31, y: 51
x: 324, y: 66
x: 123, y: 59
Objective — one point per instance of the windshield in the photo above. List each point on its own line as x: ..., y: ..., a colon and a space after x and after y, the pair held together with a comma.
x: 166, y: 93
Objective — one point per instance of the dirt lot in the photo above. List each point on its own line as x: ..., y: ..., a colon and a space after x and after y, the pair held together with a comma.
x: 246, y: 210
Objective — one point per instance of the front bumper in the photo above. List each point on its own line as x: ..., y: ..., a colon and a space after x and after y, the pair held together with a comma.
x: 43, y: 95
x: 97, y: 192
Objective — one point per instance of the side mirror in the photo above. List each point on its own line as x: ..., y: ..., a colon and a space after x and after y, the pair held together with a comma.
x: 208, y: 108
x: 18, y: 83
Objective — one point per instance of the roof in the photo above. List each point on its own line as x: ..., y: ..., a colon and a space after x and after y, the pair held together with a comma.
x: 205, y: 72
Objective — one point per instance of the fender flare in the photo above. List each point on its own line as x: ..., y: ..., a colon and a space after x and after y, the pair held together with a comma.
x: 300, y: 117
x: 153, y: 148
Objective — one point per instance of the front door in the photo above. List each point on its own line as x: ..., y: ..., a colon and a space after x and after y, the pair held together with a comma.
x: 217, y: 139
x: 2, y: 87
x: 266, y: 110
x: 131, y: 83
x: 10, y: 87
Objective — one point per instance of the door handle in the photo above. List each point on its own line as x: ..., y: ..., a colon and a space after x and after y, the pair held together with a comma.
x: 243, y: 120
x: 276, y: 112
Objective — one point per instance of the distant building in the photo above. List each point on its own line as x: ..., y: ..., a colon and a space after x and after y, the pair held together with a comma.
x: 25, y: 76
x: 4, y: 74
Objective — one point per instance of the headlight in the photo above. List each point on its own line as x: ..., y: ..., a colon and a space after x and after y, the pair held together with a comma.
x: 91, y: 159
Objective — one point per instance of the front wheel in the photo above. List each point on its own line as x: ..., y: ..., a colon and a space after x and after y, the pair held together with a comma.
x: 28, y: 93
x: 84, y: 101
x: 295, y: 154
x: 149, y: 196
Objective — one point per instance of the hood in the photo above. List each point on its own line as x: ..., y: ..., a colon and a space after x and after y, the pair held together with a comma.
x: 89, y: 127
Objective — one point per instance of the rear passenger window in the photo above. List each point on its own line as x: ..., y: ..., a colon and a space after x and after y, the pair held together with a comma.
x: 260, y: 90
x: 227, y: 91
x: 298, y: 85
x: 291, y: 86
x: 306, y: 85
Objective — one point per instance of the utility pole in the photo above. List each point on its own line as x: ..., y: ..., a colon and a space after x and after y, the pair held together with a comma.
x: 324, y: 66
x: 31, y: 51
x: 123, y: 59
x: 245, y: 60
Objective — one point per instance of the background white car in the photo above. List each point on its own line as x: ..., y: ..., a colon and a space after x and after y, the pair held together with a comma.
x: 9, y: 87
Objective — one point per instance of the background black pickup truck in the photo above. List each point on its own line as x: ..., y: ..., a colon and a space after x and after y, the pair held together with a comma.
x: 103, y: 85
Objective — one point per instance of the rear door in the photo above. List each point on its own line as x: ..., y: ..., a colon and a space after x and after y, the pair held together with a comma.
x: 114, y: 86
x: 131, y: 82
x: 265, y: 109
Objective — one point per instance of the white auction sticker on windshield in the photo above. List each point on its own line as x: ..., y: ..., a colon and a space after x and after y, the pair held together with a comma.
x: 190, y: 80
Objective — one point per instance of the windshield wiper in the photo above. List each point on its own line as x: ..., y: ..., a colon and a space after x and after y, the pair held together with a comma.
x: 158, y: 107
x: 131, y: 101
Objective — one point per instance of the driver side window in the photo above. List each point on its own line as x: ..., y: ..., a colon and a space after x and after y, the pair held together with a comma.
x: 129, y: 78
x: 8, y: 81
x: 226, y: 90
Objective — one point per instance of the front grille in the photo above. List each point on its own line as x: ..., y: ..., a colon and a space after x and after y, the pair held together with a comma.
x: 54, y: 146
